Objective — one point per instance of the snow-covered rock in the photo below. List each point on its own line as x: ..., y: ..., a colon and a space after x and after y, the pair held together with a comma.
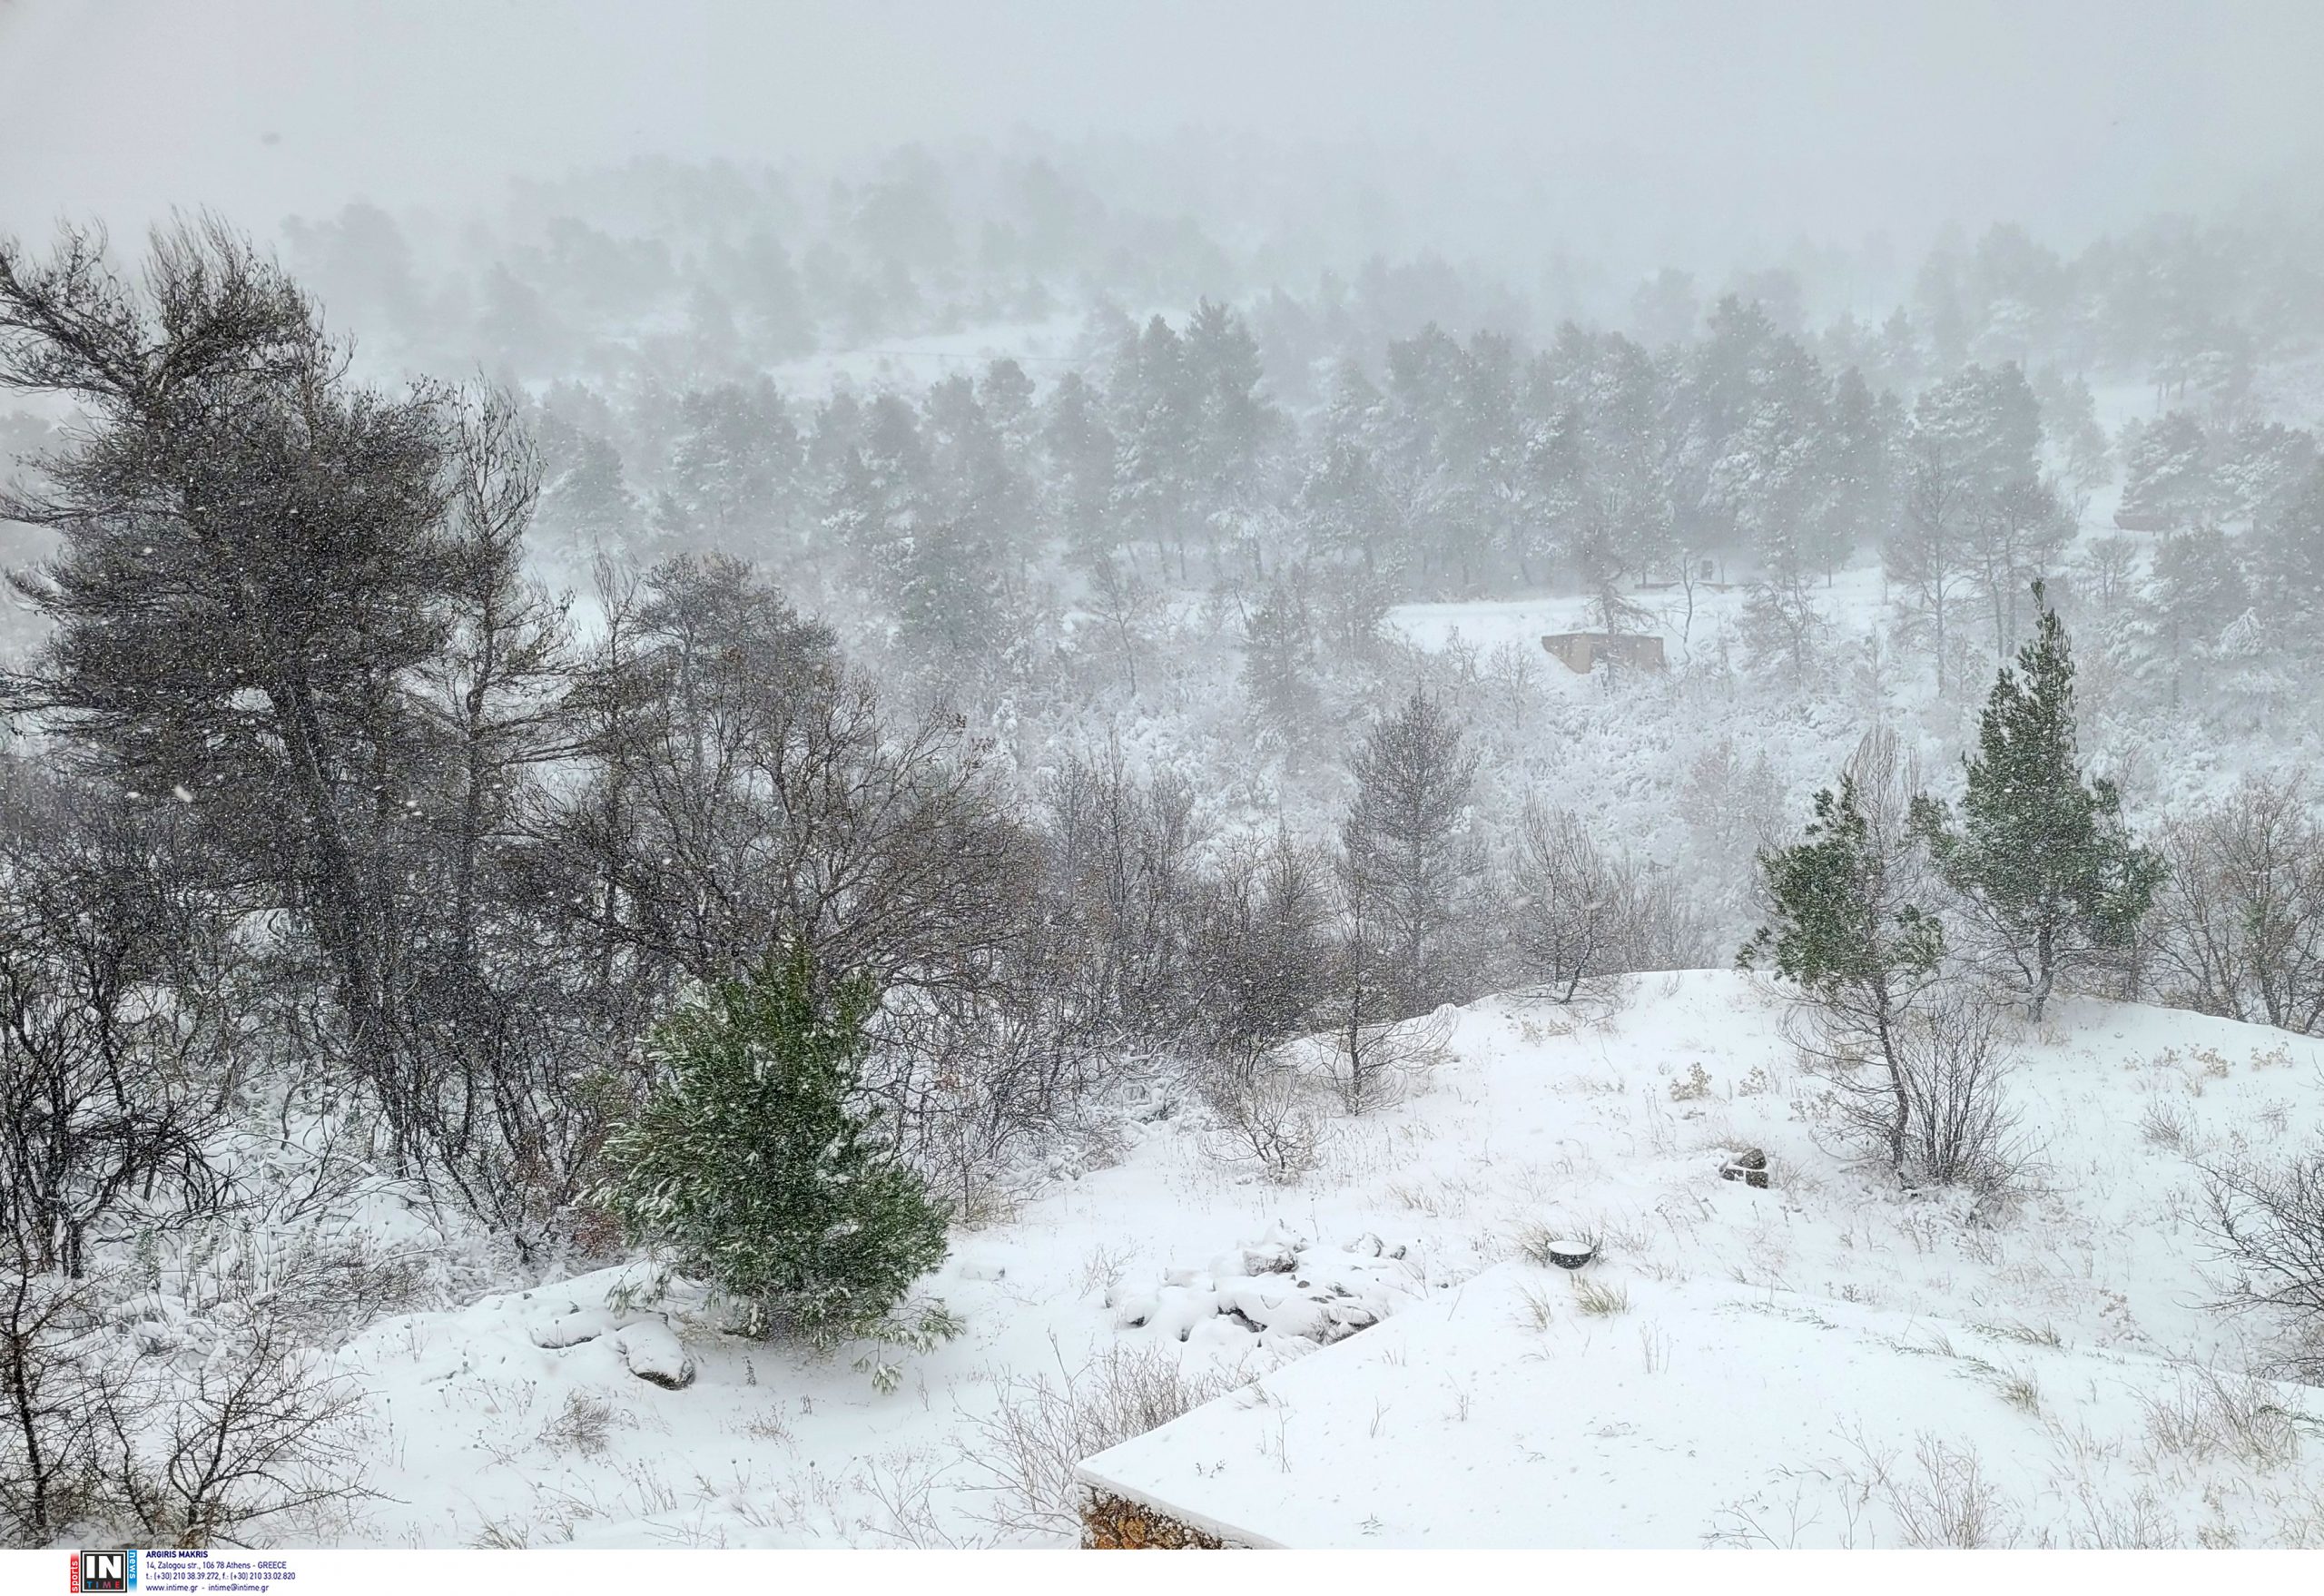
x: 577, y: 1324
x: 650, y: 1350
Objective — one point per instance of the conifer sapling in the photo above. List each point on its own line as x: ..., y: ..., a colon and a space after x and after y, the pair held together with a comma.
x: 756, y: 1163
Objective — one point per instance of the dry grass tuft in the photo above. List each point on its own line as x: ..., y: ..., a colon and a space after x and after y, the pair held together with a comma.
x: 1599, y: 1301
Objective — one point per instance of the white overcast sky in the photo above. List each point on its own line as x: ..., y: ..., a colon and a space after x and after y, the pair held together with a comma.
x: 1828, y: 119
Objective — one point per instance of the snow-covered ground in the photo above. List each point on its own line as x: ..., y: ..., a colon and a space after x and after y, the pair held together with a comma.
x: 525, y: 1416
x: 1617, y: 1410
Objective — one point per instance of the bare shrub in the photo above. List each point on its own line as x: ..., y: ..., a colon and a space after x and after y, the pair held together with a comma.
x: 257, y: 1427
x: 584, y: 1424
x: 1373, y: 1064
x: 1269, y: 1121
x: 1692, y: 1086
x: 2207, y: 1412
x: 1934, y: 1101
x: 2264, y: 1220
x: 1954, y: 1065
x: 2239, y: 921
x: 185, y: 1419
x: 115, y: 1025
x: 996, y: 1086
x: 1029, y: 1445
x: 1582, y: 914
x: 904, y: 1484
x: 2165, y: 1126
x: 1102, y: 1268
x: 1942, y: 1499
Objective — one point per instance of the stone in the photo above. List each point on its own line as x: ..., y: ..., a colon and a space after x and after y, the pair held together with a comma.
x: 570, y: 1328
x: 650, y: 1350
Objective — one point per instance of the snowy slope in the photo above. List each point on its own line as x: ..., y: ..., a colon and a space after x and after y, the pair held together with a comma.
x: 518, y: 1419
x: 1524, y: 1413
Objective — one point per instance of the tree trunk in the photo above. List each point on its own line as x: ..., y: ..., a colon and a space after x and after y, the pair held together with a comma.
x: 2045, y: 968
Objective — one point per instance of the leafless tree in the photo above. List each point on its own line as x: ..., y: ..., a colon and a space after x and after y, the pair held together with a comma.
x: 1372, y: 1064
x: 52, y: 1331
x: 1582, y: 914
x: 2240, y: 917
x: 742, y: 785
x: 1258, y: 955
x: 1120, y: 886
x: 116, y: 1024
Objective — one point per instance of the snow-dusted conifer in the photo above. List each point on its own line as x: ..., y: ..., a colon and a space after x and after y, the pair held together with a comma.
x: 2040, y: 854
x: 1848, y: 929
x: 756, y: 1163
x: 1408, y: 865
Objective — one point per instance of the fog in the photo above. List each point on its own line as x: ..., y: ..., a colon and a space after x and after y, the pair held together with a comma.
x: 1670, y: 126
x: 1138, y: 774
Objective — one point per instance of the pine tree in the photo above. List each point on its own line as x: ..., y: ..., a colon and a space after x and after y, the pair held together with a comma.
x: 2167, y: 472
x: 1407, y: 865
x: 1847, y: 931
x: 2196, y: 593
x: 1078, y: 452
x: 2287, y: 558
x: 756, y: 1163
x: 1279, y: 670
x: 2039, y: 855
x: 1966, y: 458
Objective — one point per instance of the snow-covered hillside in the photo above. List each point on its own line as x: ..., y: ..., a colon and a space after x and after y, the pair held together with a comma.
x: 1146, y: 1280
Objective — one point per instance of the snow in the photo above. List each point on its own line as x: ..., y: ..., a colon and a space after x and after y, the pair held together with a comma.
x: 1509, y: 1415
x: 651, y: 1350
x: 517, y: 1419
x: 912, y: 362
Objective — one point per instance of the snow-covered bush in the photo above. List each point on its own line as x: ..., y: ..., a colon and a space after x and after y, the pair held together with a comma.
x: 178, y: 1416
x: 231, y: 1428
x: 1270, y: 1120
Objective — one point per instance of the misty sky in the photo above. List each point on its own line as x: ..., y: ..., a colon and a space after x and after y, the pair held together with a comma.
x: 1827, y: 120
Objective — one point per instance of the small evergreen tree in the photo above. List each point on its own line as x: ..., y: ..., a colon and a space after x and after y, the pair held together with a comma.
x: 1847, y: 931
x: 753, y: 1159
x: 1408, y: 865
x: 1279, y: 673
x: 2039, y: 855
